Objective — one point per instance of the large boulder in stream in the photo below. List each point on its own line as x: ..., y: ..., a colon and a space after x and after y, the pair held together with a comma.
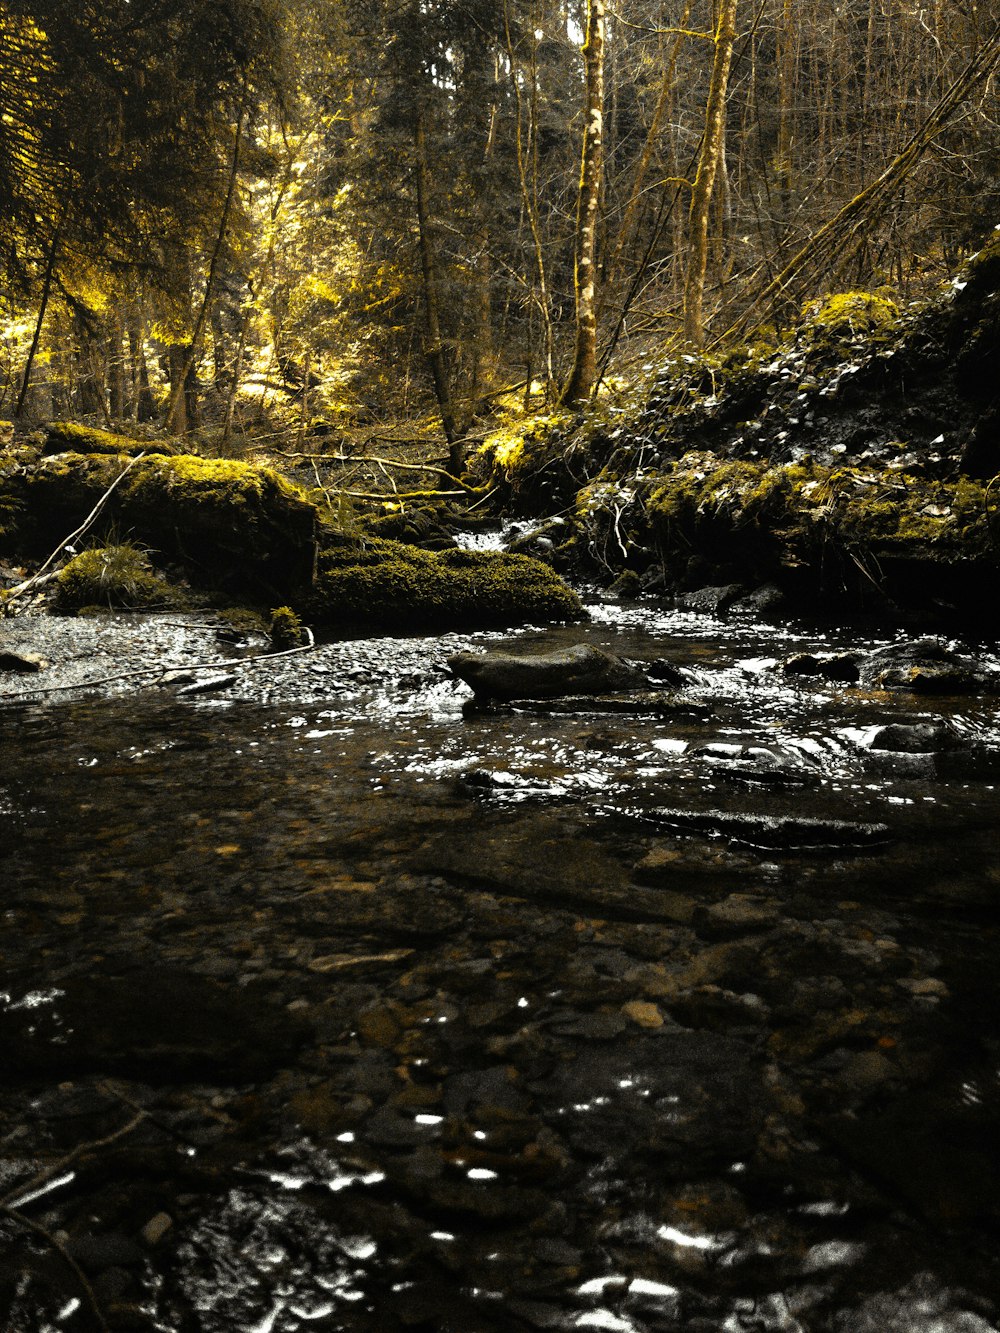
x: 578, y: 670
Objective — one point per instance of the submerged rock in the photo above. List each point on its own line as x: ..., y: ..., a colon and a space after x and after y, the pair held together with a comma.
x: 581, y: 669
x: 636, y: 703
x: 912, y: 738
x: 714, y: 601
x: 168, y: 1024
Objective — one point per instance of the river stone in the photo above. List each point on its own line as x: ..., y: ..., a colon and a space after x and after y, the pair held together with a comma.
x: 927, y: 666
x: 739, y: 914
x: 22, y: 662
x: 830, y: 666
x: 912, y: 738
x: 691, y: 1100
x: 714, y: 601
x: 638, y: 703
x: 579, y: 669
x: 165, y: 1024
x: 763, y: 601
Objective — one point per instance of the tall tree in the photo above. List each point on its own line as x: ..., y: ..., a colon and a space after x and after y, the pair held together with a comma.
x: 712, y: 148
x: 583, y: 374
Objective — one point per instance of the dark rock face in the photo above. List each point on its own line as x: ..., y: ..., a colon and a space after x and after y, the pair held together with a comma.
x: 830, y: 666
x: 580, y: 669
x: 168, y: 1024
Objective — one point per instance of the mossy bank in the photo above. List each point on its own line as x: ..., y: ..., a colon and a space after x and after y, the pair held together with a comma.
x: 240, y: 530
x: 850, y: 463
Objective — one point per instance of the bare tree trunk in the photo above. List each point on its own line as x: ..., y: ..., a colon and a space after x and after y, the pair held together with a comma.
x: 186, y: 380
x: 583, y: 375
x: 143, y: 403
x: 528, y: 180
x: 116, y: 368
x: 663, y: 101
x: 50, y: 265
x: 236, y: 376
x: 178, y: 362
x: 708, y: 165
x: 434, y: 348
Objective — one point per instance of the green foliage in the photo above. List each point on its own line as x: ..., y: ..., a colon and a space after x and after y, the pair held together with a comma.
x: 119, y: 577
x: 769, y: 514
x: 391, y: 586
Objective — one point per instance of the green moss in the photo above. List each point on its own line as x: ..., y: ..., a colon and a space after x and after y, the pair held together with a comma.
x: 417, y: 527
x: 112, y: 576
x: 516, y: 448
x: 69, y: 437
x: 765, y: 517
x: 232, y: 524
x: 285, y: 630
x: 387, y: 585
x: 842, y: 317
x: 244, y: 619
x: 703, y: 501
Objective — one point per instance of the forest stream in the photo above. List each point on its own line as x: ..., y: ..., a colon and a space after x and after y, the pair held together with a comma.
x: 340, y: 1004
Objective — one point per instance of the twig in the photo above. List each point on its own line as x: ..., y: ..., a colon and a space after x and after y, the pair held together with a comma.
x: 37, y: 1229
x: 40, y: 576
x: 10, y: 1206
x: 402, y: 495
x: 9, y: 1200
x: 431, y: 466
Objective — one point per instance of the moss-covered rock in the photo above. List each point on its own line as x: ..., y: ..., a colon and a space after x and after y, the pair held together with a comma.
x: 230, y: 524
x: 827, y: 530
x: 531, y: 461
x: 69, y: 437
x: 285, y: 630
x: 376, y: 584
x: 119, y: 577
x: 838, y: 319
x: 416, y: 527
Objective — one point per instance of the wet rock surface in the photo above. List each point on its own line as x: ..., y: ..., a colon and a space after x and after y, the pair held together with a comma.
x: 319, y: 1031
x: 578, y: 670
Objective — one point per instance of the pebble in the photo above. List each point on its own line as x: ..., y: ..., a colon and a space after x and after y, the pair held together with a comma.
x: 156, y: 1228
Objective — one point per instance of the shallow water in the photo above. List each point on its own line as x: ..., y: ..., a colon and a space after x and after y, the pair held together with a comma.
x: 457, y: 1020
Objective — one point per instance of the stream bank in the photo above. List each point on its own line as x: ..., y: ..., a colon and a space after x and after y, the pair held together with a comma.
x: 852, y: 461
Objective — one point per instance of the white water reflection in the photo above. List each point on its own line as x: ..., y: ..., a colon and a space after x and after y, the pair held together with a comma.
x: 691, y: 1240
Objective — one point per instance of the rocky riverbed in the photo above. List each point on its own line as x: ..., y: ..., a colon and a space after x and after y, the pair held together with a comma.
x: 333, y: 1001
